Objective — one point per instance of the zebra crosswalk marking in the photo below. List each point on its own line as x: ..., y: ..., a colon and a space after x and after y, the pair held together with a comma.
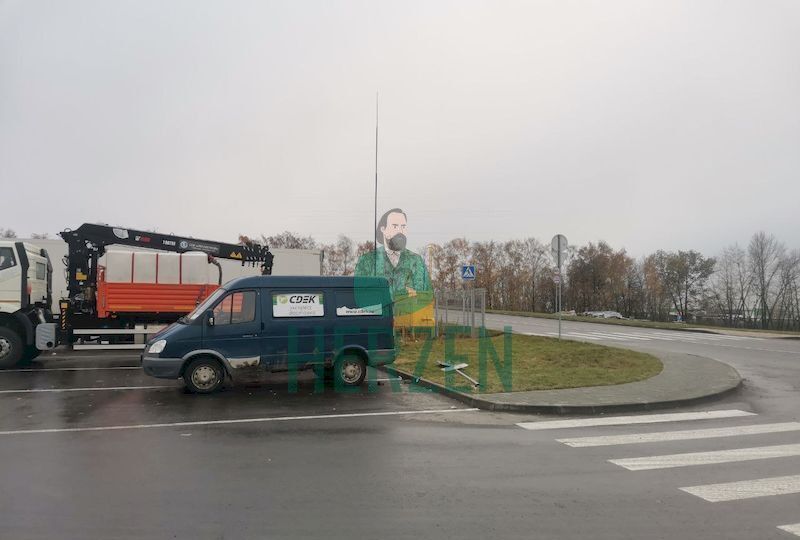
x: 635, y: 419
x: 748, y: 489
x: 707, y: 458
x: 794, y: 528
x: 683, y: 435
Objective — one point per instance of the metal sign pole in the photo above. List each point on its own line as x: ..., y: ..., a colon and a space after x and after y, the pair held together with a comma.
x: 559, y: 310
x: 558, y: 302
x: 558, y: 250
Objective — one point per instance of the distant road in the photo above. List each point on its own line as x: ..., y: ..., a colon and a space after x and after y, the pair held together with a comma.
x: 771, y: 366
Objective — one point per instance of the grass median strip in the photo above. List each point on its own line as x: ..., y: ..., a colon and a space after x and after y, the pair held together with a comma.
x: 536, y: 363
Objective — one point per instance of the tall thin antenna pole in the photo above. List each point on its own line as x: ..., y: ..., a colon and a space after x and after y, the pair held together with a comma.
x: 375, y: 217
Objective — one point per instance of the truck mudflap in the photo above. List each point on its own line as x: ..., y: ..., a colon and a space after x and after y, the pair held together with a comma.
x: 46, y: 336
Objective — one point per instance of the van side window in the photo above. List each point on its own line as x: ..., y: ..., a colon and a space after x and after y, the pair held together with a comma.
x: 41, y: 271
x: 7, y: 258
x: 237, y: 307
x: 360, y: 302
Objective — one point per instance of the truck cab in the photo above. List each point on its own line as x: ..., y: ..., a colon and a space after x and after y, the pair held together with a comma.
x: 26, y: 323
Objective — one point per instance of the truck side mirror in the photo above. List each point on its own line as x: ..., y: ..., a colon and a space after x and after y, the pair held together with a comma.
x: 210, y: 318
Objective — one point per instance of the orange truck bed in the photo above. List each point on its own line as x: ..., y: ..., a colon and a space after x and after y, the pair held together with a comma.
x: 148, y: 297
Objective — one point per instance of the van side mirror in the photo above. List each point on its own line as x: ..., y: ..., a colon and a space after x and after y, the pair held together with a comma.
x: 210, y: 318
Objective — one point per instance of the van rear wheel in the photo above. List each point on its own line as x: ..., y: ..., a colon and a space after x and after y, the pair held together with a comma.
x: 204, y: 376
x: 350, y: 370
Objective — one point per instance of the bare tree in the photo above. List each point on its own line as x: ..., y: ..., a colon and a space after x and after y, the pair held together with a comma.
x: 7, y: 233
x: 344, y: 248
x: 289, y: 240
x: 683, y: 275
x: 730, y: 290
x: 765, y: 260
x: 364, y: 247
x: 535, y: 261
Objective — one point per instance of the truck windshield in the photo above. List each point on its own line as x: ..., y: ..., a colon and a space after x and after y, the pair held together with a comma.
x: 205, y: 304
x: 6, y: 258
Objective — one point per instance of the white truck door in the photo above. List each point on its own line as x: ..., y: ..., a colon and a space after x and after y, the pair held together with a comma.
x: 10, y: 279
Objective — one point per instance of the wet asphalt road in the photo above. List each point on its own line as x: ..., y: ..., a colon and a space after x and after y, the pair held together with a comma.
x: 97, y: 452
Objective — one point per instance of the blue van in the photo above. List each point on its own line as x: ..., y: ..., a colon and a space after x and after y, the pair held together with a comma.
x: 253, y: 325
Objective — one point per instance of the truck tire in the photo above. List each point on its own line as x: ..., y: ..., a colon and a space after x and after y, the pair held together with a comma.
x: 11, y: 348
x: 349, y: 370
x: 204, y: 375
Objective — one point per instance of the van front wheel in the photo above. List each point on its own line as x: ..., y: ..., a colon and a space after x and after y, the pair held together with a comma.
x: 204, y: 376
x: 350, y: 370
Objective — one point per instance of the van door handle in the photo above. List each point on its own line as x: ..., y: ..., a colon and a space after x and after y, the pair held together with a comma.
x: 250, y: 335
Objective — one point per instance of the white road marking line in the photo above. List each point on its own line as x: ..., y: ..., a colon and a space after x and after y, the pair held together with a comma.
x: 35, y: 370
x: 234, y: 421
x: 685, y: 435
x: 620, y: 336
x: 87, y: 389
x: 748, y: 489
x: 584, y: 336
x: 606, y: 335
x: 794, y: 528
x: 634, y: 335
x: 670, y: 461
x: 635, y: 419
x: 667, y: 338
x: 573, y: 334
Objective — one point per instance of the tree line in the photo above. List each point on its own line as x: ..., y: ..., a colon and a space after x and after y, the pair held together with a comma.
x: 755, y: 286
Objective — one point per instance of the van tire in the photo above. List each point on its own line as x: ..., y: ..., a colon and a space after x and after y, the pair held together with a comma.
x: 349, y: 370
x: 204, y: 375
x: 11, y: 348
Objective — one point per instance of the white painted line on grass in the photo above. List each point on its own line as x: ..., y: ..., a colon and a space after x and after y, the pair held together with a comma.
x: 794, y: 528
x: 707, y: 458
x: 87, y: 389
x: 749, y: 489
x: 684, y: 435
x: 35, y: 370
x: 235, y: 421
x: 635, y: 419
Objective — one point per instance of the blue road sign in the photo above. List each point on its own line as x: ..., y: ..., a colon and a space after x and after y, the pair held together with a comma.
x: 468, y: 271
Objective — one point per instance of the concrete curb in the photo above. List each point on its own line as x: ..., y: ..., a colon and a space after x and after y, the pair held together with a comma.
x: 714, y: 391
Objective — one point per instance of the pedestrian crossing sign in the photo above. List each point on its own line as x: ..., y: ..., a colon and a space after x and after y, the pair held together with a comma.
x: 468, y: 272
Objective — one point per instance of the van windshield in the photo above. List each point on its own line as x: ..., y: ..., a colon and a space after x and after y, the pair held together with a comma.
x: 205, y: 304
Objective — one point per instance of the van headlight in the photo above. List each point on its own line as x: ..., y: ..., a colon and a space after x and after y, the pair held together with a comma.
x: 157, y: 347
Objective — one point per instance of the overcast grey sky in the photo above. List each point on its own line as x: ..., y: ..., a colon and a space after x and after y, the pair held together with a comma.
x: 646, y: 124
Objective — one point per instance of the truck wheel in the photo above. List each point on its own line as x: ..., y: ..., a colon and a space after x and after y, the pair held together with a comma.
x: 10, y: 348
x: 204, y: 376
x: 350, y: 370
